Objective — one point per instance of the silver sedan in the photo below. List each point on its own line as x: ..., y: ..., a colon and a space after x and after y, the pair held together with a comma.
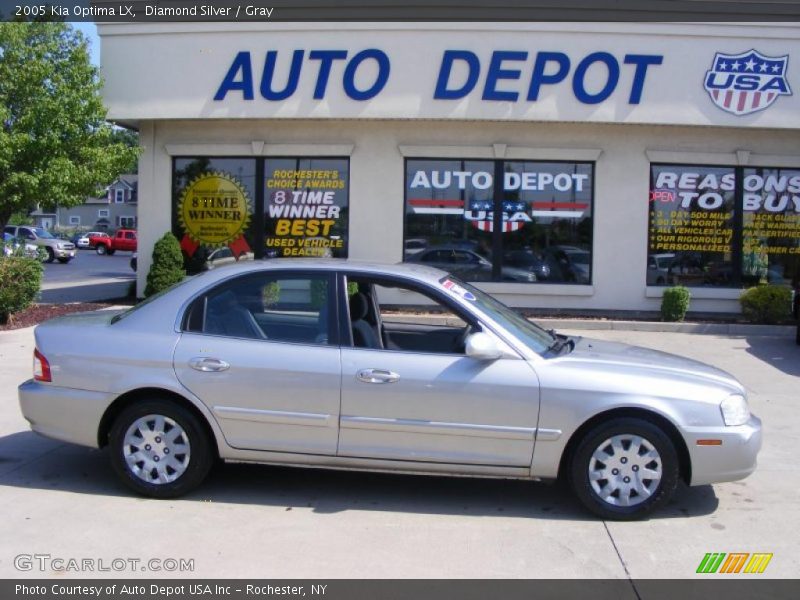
x: 403, y: 368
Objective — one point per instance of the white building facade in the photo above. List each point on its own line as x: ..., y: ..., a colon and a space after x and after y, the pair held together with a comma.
x: 562, y: 166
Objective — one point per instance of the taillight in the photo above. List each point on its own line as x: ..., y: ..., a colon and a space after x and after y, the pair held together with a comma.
x: 41, y: 368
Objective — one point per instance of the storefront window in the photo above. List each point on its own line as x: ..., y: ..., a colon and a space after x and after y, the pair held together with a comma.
x: 306, y: 204
x: 691, y: 226
x: 723, y: 226
x: 771, y: 227
x: 213, y: 208
x: 544, y: 212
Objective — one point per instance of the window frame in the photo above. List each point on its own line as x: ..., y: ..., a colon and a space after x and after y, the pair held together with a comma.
x: 201, y: 297
x: 737, y: 238
x: 74, y: 220
x: 345, y: 327
x: 497, y: 239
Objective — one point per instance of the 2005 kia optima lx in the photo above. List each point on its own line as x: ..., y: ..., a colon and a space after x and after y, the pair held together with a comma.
x: 314, y: 362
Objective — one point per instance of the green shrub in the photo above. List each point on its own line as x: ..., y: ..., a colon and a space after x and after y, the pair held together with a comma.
x: 766, y: 303
x: 167, y: 268
x: 20, y: 279
x: 675, y: 303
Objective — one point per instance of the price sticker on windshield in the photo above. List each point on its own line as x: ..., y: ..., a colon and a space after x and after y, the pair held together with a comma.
x: 452, y: 286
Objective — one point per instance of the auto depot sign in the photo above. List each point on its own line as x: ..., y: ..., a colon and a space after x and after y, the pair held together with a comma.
x: 503, y: 80
x: 529, y: 71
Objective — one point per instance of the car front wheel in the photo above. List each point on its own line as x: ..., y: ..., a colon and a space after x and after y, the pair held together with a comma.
x: 160, y: 449
x: 624, y: 469
x: 100, y: 249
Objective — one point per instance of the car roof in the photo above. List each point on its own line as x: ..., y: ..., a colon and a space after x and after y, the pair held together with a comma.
x: 413, y: 270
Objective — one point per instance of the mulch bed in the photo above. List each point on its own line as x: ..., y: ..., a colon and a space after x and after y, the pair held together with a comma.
x: 36, y: 313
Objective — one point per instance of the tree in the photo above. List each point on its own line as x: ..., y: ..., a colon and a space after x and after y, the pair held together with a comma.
x: 56, y: 147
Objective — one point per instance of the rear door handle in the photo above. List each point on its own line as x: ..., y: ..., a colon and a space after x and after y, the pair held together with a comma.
x: 377, y: 376
x: 208, y: 365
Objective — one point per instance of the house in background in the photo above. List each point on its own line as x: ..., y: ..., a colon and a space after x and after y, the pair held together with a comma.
x: 116, y: 209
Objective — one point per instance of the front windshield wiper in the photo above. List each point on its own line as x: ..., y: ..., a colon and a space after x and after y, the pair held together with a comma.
x: 560, y: 342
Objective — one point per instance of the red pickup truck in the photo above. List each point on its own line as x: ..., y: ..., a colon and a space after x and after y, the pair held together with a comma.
x: 124, y: 239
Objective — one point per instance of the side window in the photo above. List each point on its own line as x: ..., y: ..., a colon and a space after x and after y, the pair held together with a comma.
x: 129, y: 235
x: 388, y: 315
x: 266, y: 306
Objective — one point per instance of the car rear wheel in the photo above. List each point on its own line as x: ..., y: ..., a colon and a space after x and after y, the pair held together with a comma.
x: 160, y: 449
x: 100, y: 249
x: 624, y: 469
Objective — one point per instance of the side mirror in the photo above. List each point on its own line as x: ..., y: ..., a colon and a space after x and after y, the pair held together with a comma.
x: 481, y: 346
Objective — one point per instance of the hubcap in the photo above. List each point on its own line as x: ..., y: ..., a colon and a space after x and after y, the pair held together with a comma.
x: 625, y: 470
x: 156, y: 449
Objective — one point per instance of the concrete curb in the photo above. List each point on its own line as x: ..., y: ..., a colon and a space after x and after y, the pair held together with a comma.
x: 742, y: 329
x: 656, y: 326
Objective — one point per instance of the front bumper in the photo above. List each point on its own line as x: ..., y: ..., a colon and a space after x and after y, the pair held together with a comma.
x: 61, y: 413
x: 64, y: 253
x: 734, y: 459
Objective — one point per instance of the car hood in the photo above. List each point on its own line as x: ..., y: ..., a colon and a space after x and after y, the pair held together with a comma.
x: 624, y: 358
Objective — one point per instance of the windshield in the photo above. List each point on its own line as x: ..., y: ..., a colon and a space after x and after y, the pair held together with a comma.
x: 533, y: 336
x: 43, y: 233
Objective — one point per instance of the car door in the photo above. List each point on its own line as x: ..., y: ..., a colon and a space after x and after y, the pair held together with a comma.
x: 407, y: 401
x: 261, y: 351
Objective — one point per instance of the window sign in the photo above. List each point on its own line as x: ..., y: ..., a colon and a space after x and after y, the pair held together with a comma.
x: 543, y: 209
x: 691, y: 225
x: 724, y: 226
x: 213, y: 202
x: 771, y: 227
x: 306, y: 204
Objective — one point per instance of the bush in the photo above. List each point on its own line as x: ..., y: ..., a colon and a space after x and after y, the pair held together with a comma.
x: 675, y: 303
x: 167, y: 268
x: 20, y: 279
x: 767, y: 303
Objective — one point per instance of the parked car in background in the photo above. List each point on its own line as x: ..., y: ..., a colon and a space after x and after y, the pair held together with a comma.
x: 13, y: 245
x: 55, y: 248
x: 414, y: 246
x: 658, y: 269
x: 123, y: 240
x: 528, y: 260
x: 300, y: 361
x: 468, y: 264
x: 578, y: 262
x: 85, y: 239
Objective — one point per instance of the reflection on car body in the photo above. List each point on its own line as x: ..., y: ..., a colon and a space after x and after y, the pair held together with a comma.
x: 319, y: 362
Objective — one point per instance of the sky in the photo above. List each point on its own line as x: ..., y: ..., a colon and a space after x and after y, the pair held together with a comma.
x: 89, y: 30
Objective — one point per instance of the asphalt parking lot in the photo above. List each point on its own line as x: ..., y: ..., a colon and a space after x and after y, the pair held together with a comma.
x: 87, y: 278
x: 256, y: 521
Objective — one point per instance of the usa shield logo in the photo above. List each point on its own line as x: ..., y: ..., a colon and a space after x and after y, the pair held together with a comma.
x: 745, y: 83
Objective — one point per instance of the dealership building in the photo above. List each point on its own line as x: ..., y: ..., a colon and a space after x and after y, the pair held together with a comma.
x: 561, y: 166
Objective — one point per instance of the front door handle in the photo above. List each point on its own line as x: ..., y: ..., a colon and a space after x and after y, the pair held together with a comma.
x: 208, y: 365
x: 377, y: 376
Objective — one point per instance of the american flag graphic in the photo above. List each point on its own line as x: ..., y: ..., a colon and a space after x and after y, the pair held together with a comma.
x: 481, y: 215
x: 745, y: 83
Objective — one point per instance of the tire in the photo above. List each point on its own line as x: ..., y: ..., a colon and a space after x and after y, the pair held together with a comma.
x: 64, y: 260
x: 596, y: 445
x: 184, y: 461
x: 100, y: 249
x: 51, y: 256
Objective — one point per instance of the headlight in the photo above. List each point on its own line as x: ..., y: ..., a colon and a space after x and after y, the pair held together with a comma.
x: 735, y: 410
x: 60, y: 245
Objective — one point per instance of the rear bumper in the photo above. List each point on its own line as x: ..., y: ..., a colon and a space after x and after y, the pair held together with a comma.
x: 734, y: 459
x: 61, y: 413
